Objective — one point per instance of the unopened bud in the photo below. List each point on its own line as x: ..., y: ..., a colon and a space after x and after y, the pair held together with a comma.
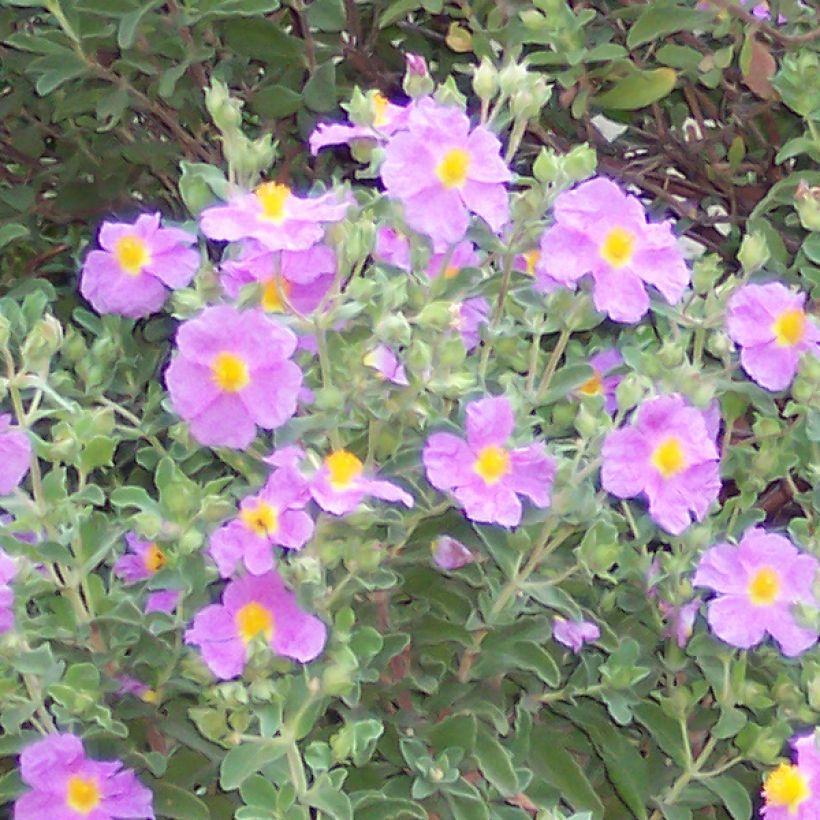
x: 42, y: 343
x: 485, y: 80
x: 753, y: 253
x: 807, y: 203
x: 580, y: 162
x: 417, y: 80
x: 511, y: 78
x: 225, y: 111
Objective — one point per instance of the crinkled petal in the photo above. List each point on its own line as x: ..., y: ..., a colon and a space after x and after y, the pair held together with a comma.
x: 387, y: 491
x: 489, y: 422
x: 770, y: 365
x: 532, y: 474
x: 565, y: 256
x: 625, y: 456
x: 448, y: 461
x: 270, y: 397
x: 793, y: 638
x: 620, y: 294
x: 490, y: 201
x: 496, y: 504
x: 224, y: 423
x: 732, y: 619
x: 110, y: 290
x: 190, y: 386
x: 718, y: 569
x: 295, y: 529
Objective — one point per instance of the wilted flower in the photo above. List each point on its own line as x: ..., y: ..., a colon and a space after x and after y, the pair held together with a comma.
x: 65, y: 784
x: 254, y: 605
x: 601, y: 383
x: 792, y: 790
x: 574, y: 634
x: 450, y: 554
x: 15, y: 455
x: 340, y: 485
x: 392, y: 248
x: 758, y: 583
x: 299, y: 279
x: 137, y: 266
x: 482, y: 473
x: 8, y: 569
x: 274, y: 216
x: 384, y: 361
x: 231, y: 373
x: 143, y: 559
x: 468, y: 316
x: 668, y: 455
x: 601, y: 231
x: 441, y: 170
x: 463, y: 256
x: 773, y: 331
x: 273, y: 517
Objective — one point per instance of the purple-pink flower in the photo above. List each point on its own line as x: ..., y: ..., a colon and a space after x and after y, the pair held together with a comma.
x: 289, y: 279
x: 792, y: 790
x: 603, y: 232
x: 667, y: 454
x: 137, y: 266
x: 383, y: 360
x: 771, y: 326
x: 232, y: 372
x: 254, y: 606
x: 574, y: 634
x: 450, y: 554
x: 392, y: 248
x: 451, y: 264
x: 483, y: 473
x: 67, y: 785
x: 15, y: 455
x: 602, y: 383
x: 274, y: 517
x: 142, y: 560
x: 162, y: 600
x: 415, y: 64
x: 442, y: 171
x: 468, y: 316
x: 757, y: 585
x: 274, y: 216
x: 8, y: 570
x: 341, y: 484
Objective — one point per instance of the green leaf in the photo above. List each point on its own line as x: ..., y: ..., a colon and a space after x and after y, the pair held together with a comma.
x: 127, y: 29
x: 178, y: 803
x: 638, y: 90
x: 456, y: 731
x: 56, y: 69
x: 12, y: 231
x: 660, y: 19
x: 378, y: 807
x: 326, y: 797
x: 319, y: 93
x: 495, y: 762
x: 97, y: 452
x: 734, y: 796
x: 468, y: 804
x: 665, y: 730
x: 397, y: 11
x: 530, y: 656
x: 811, y: 247
x: 243, y: 761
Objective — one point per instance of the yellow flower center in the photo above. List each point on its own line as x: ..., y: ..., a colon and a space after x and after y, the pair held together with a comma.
x: 150, y: 696
x: 592, y: 386
x: 532, y: 258
x: 618, y: 247
x: 273, y: 197
x: 492, y: 464
x: 786, y: 786
x: 451, y: 271
x: 452, y: 169
x: 83, y: 794
x: 132, y: 254
x: 229, y: 372
x: 380, y: 103
x: 275, y: 293
x: 790, y: 327
x: 254, y: 619
x: 344, y: 468
x: 261, y: 519
x: 764, y: 587
x: 668, y: 458
x: 154, y: 558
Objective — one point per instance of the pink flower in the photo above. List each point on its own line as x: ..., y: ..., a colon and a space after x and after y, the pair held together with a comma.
x: 254, y: 606
x: 143, y: 560
x: 574, y: 634
x: 668, y: 455
x: 297, y: 279
x: 15, y: 455
x: 392, y: 248
x: 758, y: 584
x: 601, y: 231
x: 450, y: 554
x: 463, y: 256
x: 482, y: 473
x: 275, y: 217
x: 138, y: 264
x: 162, y: 600
x: 231, y: 373
x: 274, y: 517
x: 384, y: 361
x: 601, y: 383
x: 415, y: 64
x: 441, y: 171
x: 66, y: 785
x: 773, y: 331
x: 792, y: 790
x: 340, y: 485
x: 8, y: 570
x: 468, y: 316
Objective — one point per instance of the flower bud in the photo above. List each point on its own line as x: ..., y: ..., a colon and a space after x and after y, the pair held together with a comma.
x: 705, y: 272
x: 225, y: 111
x: 436, y: 316
x: 580, y: 162
x: 586, y: 422
x: 807, y: 203
x: 630, y: 391
x: 511, y: 78
x: 547, y: 166
x: 671, y: 354
x: 485, y: 80
x: 417, y: 80
x: 753, y: 253
x: 42, y: 343
x: 448, y: 94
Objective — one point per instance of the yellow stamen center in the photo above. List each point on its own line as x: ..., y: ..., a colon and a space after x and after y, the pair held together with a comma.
x: 261, y: 519
x: 229, y: 372
x: 790, y: 327
x: 132, y: 254
x: 150, y: 696
x: 668, y: 458
x: 786, y: 786
x: 532, y: 258
x: 492, y: 464
x: 380, y: 103
x: 344, y: 468
x: 83, y: 794
x: 593, y: 386
x: 452, y: 169
x: 764, y: 588
x: 451, y: 271
x: 275, y: 293
x: 154, y: 558
x: 273, y: 197
x: 254, y: 619
x: 618, y: 247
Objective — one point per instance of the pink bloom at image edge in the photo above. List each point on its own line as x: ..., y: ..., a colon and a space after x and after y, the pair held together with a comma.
x: 485, y: 476
x: 8, y: 571
x: 254, y: 605
x: 138, y: 264
x: 667, y: 454
x: 603, y: 232
x: 757, y: 583
x: 792, y: 790
x: 773, y: 330
x: 232, y: 372
x: 66, y: 785
x: 15, y: 455
x: 574, y: 634
x: 442, y: 170
x: 392, y: 248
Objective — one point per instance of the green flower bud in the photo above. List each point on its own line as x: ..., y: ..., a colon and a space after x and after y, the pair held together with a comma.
x: 74, y: 346
x: 511, y: 78
x: 807, y: 203
x: 547, y: 166
x: 436, y: 316
x: 452, y: 352
x: 419, y: 356
x: 394, y: 329
x: 187, y: 303
x: 580, y: 162
x: 705, y: 272
x: 417, y: 81
x: 448, y: 94
x: 586, y: 422
x: 671, y: 354
x: 753, y: 253
x: 42, y: 343
x: 630, y: 391
x: 225, y: 111
x: 485, y: 80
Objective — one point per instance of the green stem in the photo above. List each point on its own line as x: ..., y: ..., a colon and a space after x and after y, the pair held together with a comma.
x: 552, y: 364
x: 692, y: 771
x: 297, y: 769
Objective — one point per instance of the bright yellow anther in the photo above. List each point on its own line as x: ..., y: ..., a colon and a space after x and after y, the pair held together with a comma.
x: 229, y: 372
x: 668, y: 457
x: 618, y: 247
x: 453, y: 167
x: 83, y: 794
x: 154, y: 558
x: 254, y: 619
x: 764, y: 587
x: 275, y: 293
x: 790, y: 327
x: 492, y: 464
x: 261, y: 519
x: 273, y: 196
x: 786, y: 786
x: 344, y: 468
x: 132, y: 254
